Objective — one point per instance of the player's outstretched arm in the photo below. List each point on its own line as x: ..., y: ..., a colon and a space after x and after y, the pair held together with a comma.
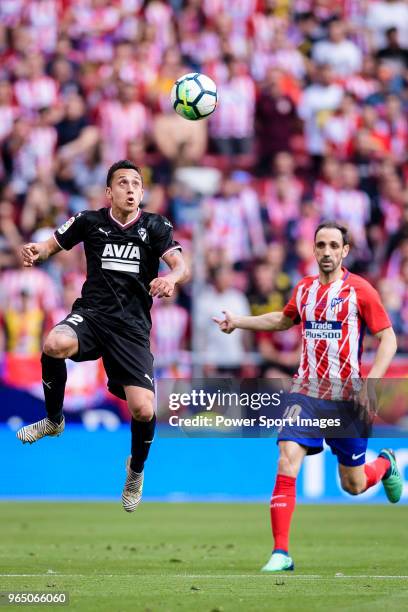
x: 38, y: 251
x: 271, y: 321
x: 164, y: 285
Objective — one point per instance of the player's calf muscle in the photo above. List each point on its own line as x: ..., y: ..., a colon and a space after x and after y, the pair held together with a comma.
x: 291, y: 456
x: 61, y: 342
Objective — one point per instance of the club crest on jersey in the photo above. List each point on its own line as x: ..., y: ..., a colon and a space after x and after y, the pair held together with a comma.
x: 66, y: 225
x: 336, y: 305
x: 121, y: 257
x: 143, y: 234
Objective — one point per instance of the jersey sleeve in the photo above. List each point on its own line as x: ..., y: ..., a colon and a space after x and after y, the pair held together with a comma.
x: 291, y: 310
x: 71, y: 232
x: 371, y: 308
x: 163, y: 238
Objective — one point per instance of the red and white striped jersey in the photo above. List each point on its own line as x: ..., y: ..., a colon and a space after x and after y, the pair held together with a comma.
x: 334, y: 318
x: 170, y: 323
x: 36, y: 93
x: 121, y: 124
x: 235, y: 113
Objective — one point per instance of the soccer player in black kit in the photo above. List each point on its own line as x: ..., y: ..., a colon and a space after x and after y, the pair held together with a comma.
x: 123, y: 246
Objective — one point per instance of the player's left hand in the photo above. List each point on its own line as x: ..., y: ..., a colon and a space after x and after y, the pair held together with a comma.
x: 162, y: 287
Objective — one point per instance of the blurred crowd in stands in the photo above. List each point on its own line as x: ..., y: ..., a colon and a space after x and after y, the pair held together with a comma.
x: 311, y: 124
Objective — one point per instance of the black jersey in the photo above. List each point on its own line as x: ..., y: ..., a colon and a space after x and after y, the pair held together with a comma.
x: 122, y: 260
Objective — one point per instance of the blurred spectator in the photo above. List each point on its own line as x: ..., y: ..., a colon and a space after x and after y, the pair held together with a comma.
x: 340, y: 128
x: 181, y: 142
x: 121, y: 120
x: 75, y: 135
x: 386, y: 14
x: 222, y: 354
x: 232, y: 126
x: 8, y: 110
x: 234, y: 220
x: 40, y: 290
x: 10, y: 237
x: 341, y: 54
x: 319, y: 100
x: 281, y: 196
x: 270, y: 290
x: 41, y: 207
x: 310, y: 31
x: 391, y: 202
x: 184, y: 207
x: 35, y: 89
x: 275, y: 120
x: 169, y: 335
x: 352, y: 206
x: 43, y: 139
x: 402, y: 232
x: 23, y: 326
x: 19, y: 157
x: 397, y: 126
x: 392, y: 54
x: 63, y: 72
x: 363, y: 83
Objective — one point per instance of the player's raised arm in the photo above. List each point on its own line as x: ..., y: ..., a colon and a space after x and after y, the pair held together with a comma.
x: 38, y: 251
x: 164, y: 285
x: 271, y: 321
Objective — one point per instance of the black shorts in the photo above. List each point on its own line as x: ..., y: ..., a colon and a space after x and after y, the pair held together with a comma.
x: 125, y: 354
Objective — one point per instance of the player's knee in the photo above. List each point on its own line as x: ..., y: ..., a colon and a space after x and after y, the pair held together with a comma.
x: 59, y: 346
x: 142, y: 411
x: 352, y: 486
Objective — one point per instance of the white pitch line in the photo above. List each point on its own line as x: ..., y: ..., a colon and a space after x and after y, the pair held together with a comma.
x: 368, y: 576
x: 189, y: 576
x: 212, y: 576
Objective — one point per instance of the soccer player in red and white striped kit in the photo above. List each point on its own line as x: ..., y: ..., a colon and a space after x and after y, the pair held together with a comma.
x: 334, y: 308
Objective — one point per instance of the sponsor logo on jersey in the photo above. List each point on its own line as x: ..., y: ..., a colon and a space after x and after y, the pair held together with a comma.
x: 143, y: 234
x: 322, y: 330
x: 121, y: 257
x: 66, y: 225
x: 106, y: 232
x: 336, y: 305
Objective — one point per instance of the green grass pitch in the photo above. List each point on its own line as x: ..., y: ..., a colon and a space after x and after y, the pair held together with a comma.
x: 196, y: 557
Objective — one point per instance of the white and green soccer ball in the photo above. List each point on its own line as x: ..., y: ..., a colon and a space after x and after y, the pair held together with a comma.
x: 194, y: 96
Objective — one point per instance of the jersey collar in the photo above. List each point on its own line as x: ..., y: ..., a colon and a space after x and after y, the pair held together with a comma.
x: 129, y: 223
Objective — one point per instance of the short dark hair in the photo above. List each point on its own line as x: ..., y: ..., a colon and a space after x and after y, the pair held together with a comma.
x: 333, y: 225
x: 126, y: 164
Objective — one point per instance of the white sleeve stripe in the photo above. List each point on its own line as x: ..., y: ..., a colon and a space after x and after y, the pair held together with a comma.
x: 61, y: 247
x: 171, y: 249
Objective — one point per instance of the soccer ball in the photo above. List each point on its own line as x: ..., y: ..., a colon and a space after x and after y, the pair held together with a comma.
x: 194, y: 96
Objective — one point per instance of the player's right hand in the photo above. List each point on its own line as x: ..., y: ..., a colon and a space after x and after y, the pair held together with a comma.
x: 226, y: 325
x: 30, y: 253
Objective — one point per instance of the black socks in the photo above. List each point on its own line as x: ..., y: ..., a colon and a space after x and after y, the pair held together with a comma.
x: 142, y: 438
x: 54, y: 377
